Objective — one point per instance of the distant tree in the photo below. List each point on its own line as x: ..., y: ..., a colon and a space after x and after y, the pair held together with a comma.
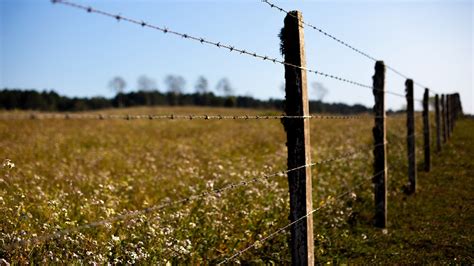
x: 175, y: 84
x: 145, y: 83
x: 202, y: 85
x: 118, y: 84
x: 224, y: 87
x: 320, y: 91
x: 175, y: 88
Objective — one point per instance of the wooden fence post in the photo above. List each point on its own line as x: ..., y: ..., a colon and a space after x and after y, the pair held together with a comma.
x: 450, y: 108
x: 426, y: 130
x: 443, y: 114
x: 411, y: 136
x: 450, y: 115
x: 380, y: 152
x: 438, y: 124
x: 298, y: 141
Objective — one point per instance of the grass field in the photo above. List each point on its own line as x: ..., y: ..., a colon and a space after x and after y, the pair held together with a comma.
x: 69, y: 173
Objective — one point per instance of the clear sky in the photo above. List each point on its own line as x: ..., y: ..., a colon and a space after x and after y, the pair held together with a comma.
x: 46, y: 46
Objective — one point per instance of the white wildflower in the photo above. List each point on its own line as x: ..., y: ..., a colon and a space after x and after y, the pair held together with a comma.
x: 7, y: 163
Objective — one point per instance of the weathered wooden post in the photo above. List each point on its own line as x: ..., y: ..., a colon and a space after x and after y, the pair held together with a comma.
x: 411, y: 136
x: 443, y: 113
x: 438, y: 122
x: 448, y: 121
x: 449, y: 116
x: 298, y: 140
x: 426, y: 131
x: 453, y: 113
x: 380, y: 152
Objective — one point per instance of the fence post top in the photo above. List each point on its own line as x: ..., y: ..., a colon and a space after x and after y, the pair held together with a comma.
x: 294, y: 13
x: 380, y: 66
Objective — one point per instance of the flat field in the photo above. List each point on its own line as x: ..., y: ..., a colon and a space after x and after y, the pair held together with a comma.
x: 73, y: 172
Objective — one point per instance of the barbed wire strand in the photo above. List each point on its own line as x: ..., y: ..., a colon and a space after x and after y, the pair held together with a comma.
x: 67, y: 116
x: 280, y: 230
x: 182, y: 117
x: 209, y: 193
x: 325, y: 33
x: 206, y: 41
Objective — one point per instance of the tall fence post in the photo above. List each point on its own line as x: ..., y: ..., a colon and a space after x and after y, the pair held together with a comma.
x: 448, y: 117
x: 450, y: 108
x: 380, y: 152
x: 450, y: 114
x: 453, y: 112
x: 443, y: 114
x: 298, y: 140
x: 426, y: 131
x: 438, y: 124
x: 411, y: 136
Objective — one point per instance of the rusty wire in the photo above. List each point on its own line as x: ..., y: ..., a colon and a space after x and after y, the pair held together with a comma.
x: 205, y: 41
x: 325, y: 33
x: 73, y: 116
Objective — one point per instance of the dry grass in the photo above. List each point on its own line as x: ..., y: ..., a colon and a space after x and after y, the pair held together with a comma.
x: 72, y: 172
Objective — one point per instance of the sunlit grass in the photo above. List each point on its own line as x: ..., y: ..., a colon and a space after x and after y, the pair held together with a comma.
x: 69, y: 173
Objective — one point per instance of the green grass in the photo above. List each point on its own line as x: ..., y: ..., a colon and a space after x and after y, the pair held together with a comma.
x: 436, y: 224
x: 72, y: 172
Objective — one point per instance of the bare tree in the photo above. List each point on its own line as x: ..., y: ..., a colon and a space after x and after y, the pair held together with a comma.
x: 319, y: 90
x: 224, y: 86
x: 175, y: 84
x: 145, y: 83
x: 175, y: 88
x: 117, y: 84
x: 202, y: 85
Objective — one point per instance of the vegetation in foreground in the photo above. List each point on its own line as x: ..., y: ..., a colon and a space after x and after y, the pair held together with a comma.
x: 66, y: 173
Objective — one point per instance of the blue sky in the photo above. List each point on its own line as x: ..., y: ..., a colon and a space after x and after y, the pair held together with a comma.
x: 46, y: 46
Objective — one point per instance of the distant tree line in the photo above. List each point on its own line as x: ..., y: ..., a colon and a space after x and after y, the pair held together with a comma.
x: 148, y: 94
x: 11, y: 99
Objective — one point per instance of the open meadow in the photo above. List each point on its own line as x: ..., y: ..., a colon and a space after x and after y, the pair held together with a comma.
x: 71, y: 172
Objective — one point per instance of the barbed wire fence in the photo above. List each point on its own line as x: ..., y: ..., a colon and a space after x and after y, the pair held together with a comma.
x: 180, y: 117
x: 297, y: 116
x: 206, y: 194
x: 340, y: 41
